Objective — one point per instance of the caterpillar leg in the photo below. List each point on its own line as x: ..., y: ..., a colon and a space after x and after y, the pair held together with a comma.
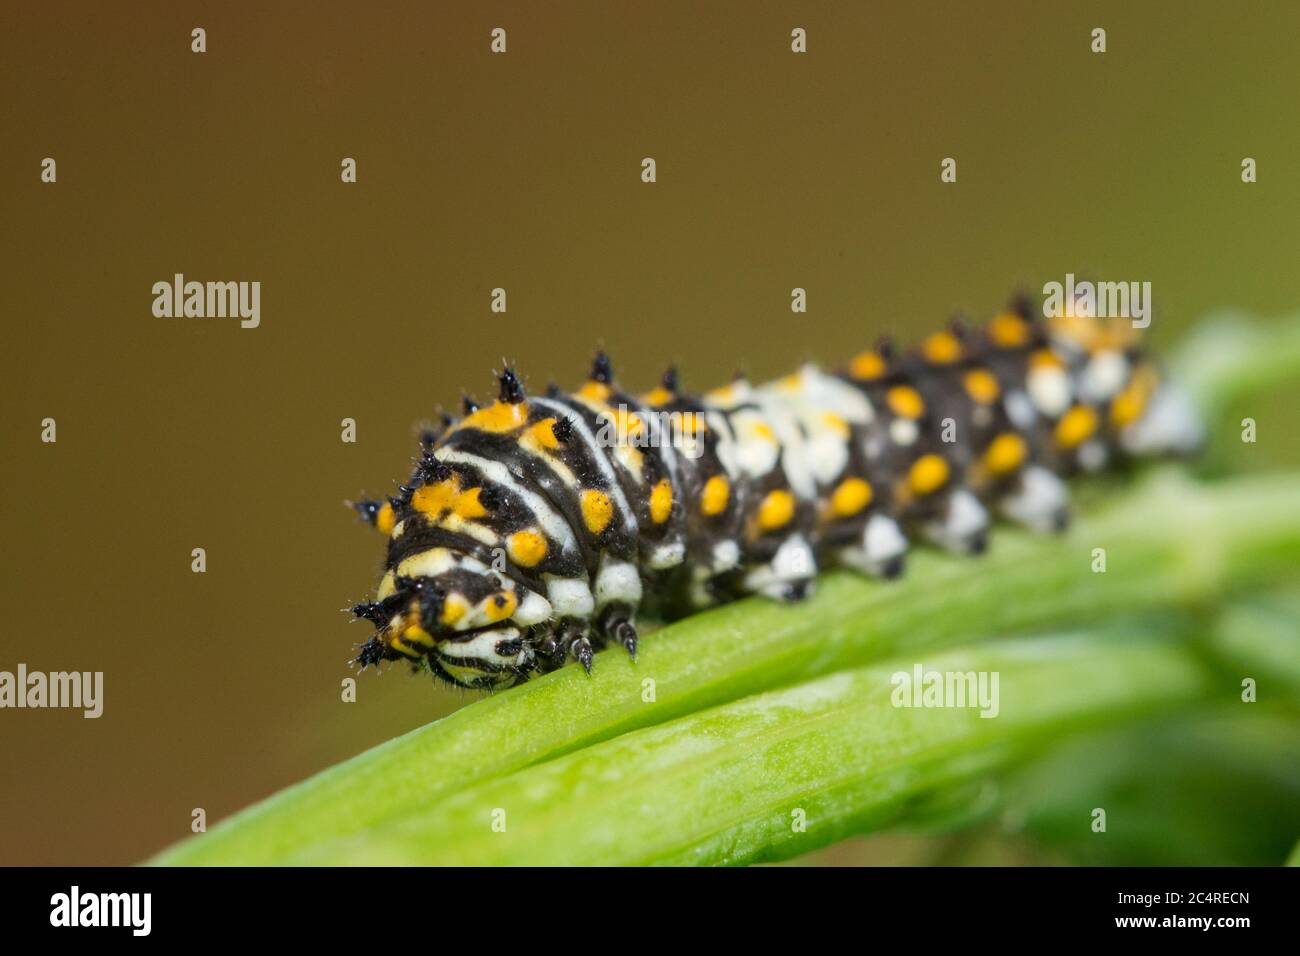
x: 551, y: 651
x: 570, y: 638
x: 616, y: 624
x: 1040, y: 501
x: 963, y: 525
x: 617, y: 595
x: 789, y: 575
x: 583, y: 652
x: 882, y: 551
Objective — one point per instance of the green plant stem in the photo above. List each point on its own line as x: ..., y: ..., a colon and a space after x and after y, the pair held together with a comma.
x: 1168, y: 543
x: 1233, y: 356
x: 731, y: 784
x: 1260, y: 639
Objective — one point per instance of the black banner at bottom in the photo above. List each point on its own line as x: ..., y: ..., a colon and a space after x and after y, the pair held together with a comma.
x: 213, y: 905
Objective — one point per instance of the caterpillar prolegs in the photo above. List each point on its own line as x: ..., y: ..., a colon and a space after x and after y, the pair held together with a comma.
x: 535, y: 528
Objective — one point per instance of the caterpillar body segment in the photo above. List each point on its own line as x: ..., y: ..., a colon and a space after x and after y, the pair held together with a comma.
x: 536, y: 527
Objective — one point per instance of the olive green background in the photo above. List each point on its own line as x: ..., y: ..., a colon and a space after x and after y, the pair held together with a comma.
x: 775, y: 170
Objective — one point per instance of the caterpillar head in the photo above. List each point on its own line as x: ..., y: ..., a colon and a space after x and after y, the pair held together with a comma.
x: 468, y: 622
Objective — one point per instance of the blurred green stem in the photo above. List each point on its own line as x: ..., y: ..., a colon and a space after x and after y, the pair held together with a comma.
x: 780, y: 773
x: 1168, y: 543
x: 1231, y: 357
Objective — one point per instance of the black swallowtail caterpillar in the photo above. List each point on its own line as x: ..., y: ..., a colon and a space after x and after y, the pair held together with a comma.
x: 534, y: 529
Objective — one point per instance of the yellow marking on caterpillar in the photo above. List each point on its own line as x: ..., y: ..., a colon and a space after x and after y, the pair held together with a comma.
x: 928, y: 474
x: 500, y: 606
x: 982, y: 386
x: 395, y: 642
x: 849, y: 497
x: 526, y: 548
x: 1045, y: 358
x: 543, y: 434
x: 723, y: 395
x: 1009, y: 331
x: 597, y: 510
x: 414, y: 634
x: 467, y: 505
x: 1076, y: 426
x: 657, y: 396
x: 497, y: 417
x: 1129, y: 404
x: 661, y: 501
x: 941, y: 348
x: 714, y: 497
x: 867, y: 366
x: 1005, y: 453
x: 385, y: 519
x: 453, y: 609
x: 436, y: 498
x: 836, y: 423
x: 776, y: 510
x: 905, y: 401
x: 443, y: 496
x: 594, y: 391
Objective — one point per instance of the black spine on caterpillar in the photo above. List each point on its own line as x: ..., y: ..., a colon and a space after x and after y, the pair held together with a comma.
x: 535, y: 528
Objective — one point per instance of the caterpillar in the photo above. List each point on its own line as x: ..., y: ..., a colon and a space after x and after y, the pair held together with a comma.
x: 535, y: 528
